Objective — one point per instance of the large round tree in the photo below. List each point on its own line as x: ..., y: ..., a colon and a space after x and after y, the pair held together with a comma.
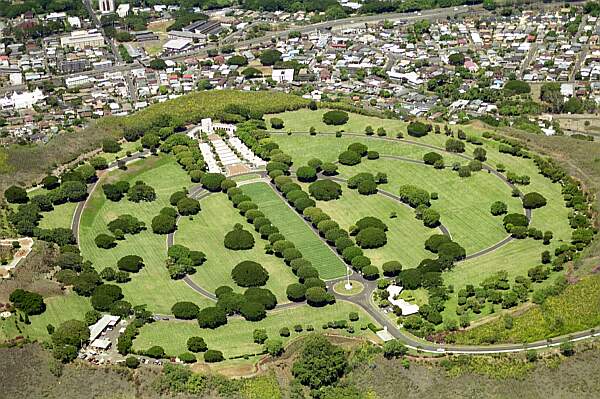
x: 249, y: 274
x: 325, y: 190
x: 238, y: 239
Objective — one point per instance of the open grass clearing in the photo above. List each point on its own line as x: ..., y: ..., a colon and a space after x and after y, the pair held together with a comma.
x: 464, y: 203
x: 235, y: 338
x: 58, y: 310
x: 406, y: 235
x: 152, y: 285
x: 293, y: 227
x: 303, y: 147
x: 206, y: 233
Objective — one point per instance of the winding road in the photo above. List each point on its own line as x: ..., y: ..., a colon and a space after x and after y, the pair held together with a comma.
x: 364, y: 298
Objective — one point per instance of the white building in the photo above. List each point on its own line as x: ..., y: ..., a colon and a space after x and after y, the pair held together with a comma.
x: 123, y: 10
x: 22, y: 100
x: 77, y: 81
x: 75, y: 22
x: 283, y: 75
x: 407, y: 308
x: 106, y: 6
x: 98, y: 328
x: 82, y: 39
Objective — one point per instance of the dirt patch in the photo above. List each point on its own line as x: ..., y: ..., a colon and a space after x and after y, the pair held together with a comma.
x: 236, y: 169
x: 32, y: 272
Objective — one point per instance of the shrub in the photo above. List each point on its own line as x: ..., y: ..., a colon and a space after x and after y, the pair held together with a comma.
x: 187, y: 357
x: 185, y: 310
x: 515, y: 219
x: 533, y: 200
x: 156, y: 352
x: 213, y: 356
x: 306, y: 174
x: 261, y: 295
x: 130, y: 263
x: 418, y: 129
x: 371, y: 237
x: 212, y: 317
x: 455, y: 145
x: 196, y: 344
x: 325, y: 190
x: 249, y: 274
x: 104, y: 241
x: 212, y: 181
x: 295, y: 292
x: 132, y: 362
x: 414, y: 196
x: 277, y: 123
x: 370, y: 272
x: 498, y: 208
x: 335, y: 117
x: 358, y: 148
x: 370, y: 221
x: 317, y: 296
x: 349, y: 158
x: 16, y: 195
x: 329, y: 169
x: 431, y: 158
x: 253, y: 311
x: 284, y: 332
x: 238, y: 239
x: 188, y: 206
x: 391, y: 268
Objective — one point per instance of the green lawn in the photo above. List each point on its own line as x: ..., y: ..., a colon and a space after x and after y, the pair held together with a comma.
x: 406, y: 234
x: 303, y: 147
x: 206, y: 232
x: 60, y: 216
x: 235, y: 338
x: 293, y: 227
x: 152, y: 285
x: 58, y: 310
x: 464, y: 203
x: 302, y: 120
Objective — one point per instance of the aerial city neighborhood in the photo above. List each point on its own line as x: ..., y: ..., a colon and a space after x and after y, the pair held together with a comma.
x: 125, y: 58
x: 299, y: 199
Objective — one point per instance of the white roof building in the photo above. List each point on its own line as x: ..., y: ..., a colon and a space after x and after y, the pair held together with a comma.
x: 283, y: 75
x: 407, y: 308
x: 177, y: 44
x: 97, y: 328
x: 22, y: 100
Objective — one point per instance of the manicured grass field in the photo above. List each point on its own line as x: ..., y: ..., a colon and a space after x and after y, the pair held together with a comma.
x: 60, y: 216
x: 58, y: 310
x: 303, y: 119
x: 292, y: 226
x: 235, y: 338
x: 206, y: 232
x: 152, y: 285
x: 406, y: 235
x: 303, y: 147
x: 464, y: 203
